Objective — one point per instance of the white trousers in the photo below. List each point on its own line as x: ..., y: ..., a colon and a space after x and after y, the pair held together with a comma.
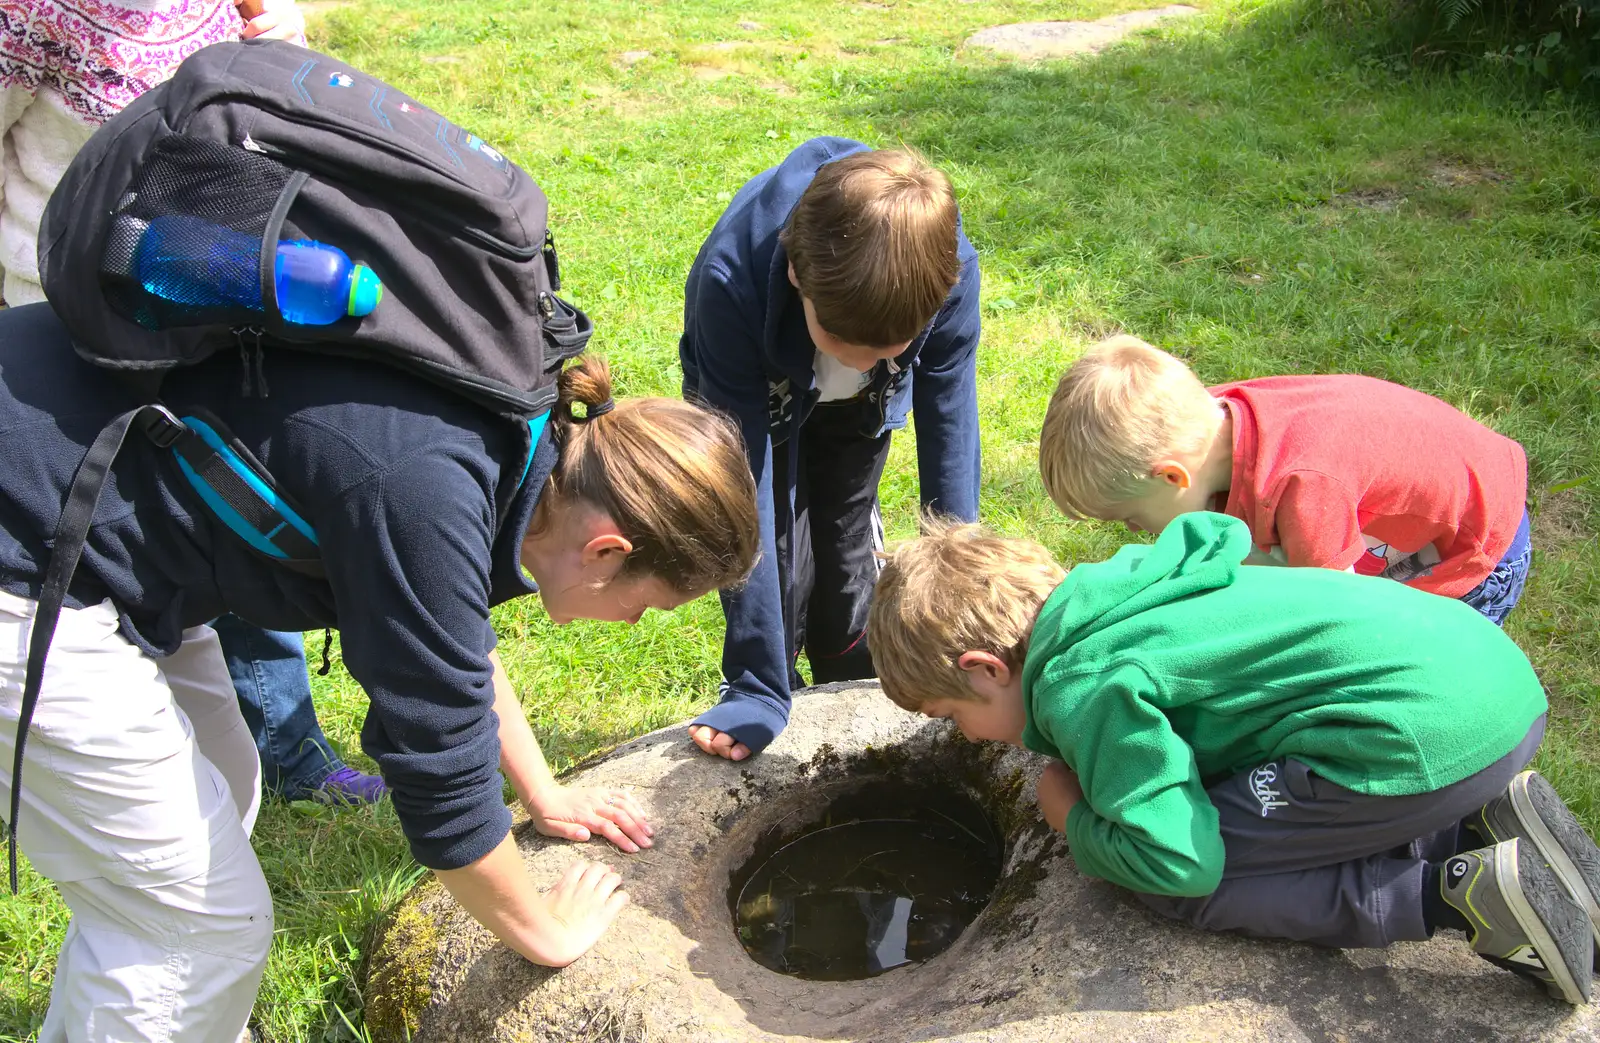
x: 140, y: 786
x: 39, y: 135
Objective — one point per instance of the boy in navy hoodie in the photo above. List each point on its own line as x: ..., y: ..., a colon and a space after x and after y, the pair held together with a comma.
x: 836, y: 294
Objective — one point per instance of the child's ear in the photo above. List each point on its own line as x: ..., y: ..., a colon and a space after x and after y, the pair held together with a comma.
x: 985, y: 665
x: 1173, y: 473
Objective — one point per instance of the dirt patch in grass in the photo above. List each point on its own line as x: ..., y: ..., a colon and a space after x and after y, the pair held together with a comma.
x: 754, y: 50
x: 1456, y: 175
x: 1094, y: 329
x: 754, y: 58
x: 1561, y: 521
x: 1382, y: 200
x: 1425, y: 177
x: 1035, y: 41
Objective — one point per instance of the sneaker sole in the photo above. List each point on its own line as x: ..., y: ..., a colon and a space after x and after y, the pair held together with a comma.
x: 1561, y: 839
x: 1553, y: 922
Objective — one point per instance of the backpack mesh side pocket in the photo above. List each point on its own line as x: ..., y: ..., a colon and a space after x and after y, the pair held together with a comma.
x: 184, y: 247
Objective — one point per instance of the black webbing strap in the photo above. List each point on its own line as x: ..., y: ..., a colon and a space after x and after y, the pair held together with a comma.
x: 270, y: 304
x: 791, y: 607
x: 234, y: 491
x: 71, y: 531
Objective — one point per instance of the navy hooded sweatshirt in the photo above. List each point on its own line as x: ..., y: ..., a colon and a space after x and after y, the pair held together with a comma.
x: 398, y: 476
x: 746, y: 351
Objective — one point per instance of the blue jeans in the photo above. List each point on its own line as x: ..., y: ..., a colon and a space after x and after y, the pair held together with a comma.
x: 1497, y: 595
x: 269, y: 674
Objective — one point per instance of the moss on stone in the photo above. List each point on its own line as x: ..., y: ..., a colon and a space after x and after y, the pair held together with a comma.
x: 397, y: 980
x: 1018, y: 886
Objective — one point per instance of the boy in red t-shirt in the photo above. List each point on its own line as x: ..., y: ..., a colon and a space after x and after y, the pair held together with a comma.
x: 1340, y: 472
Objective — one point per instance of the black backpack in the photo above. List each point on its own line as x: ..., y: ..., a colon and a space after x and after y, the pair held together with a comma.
x: 277, y: 142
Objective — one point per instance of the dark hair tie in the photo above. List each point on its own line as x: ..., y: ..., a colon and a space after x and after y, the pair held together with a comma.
x: 600, y: 409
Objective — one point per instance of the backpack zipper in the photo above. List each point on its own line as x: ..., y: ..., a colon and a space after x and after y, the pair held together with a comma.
x: 249, y: 355
x: 552, y: 263
x: 427, y: 212
x: 245, y: 390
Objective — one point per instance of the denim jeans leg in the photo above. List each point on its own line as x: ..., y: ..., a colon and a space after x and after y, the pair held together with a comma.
x: 1498, y: 594
x: 269, y: 674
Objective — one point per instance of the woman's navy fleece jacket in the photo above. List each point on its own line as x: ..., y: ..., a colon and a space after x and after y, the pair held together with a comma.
x: 400, y: 479
x: 745, y: 350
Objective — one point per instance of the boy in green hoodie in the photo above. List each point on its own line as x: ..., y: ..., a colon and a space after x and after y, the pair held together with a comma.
x: 1288, y: 753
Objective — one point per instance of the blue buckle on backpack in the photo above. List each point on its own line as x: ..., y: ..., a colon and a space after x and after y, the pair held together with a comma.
x: 236, y: 493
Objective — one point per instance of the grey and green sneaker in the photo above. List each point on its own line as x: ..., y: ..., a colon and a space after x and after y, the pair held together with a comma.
x: 1531, y: 809
x: 1521, y: 917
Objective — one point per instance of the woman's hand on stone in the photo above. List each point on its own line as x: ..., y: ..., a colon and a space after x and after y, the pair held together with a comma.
x: 577, y: 813
x: 720, y: 743
x: 1059, y: 790
x: 581, y: 905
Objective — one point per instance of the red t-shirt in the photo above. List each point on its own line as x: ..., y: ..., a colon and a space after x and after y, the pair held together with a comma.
x: 1342, y: 471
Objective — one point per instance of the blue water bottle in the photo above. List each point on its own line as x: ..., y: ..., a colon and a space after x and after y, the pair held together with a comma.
x: 199, y: 264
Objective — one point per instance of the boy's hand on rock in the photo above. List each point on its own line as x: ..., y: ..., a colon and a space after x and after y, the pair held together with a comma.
x: 579, y: 813
x: 1058, y: 792
x: 581, y: 905
x: 720, y: 743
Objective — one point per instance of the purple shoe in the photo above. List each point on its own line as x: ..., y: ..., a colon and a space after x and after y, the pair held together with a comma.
x: 349, y: 786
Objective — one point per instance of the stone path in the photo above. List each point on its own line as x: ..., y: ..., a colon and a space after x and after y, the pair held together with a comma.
x: 1034, y: 41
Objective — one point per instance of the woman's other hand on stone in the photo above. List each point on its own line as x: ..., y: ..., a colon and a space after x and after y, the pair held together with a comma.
x: 582, y: 904
x: 577, y: 813
x: 719, y: 743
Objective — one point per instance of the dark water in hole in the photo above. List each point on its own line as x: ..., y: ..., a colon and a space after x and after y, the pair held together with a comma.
x: 882, y: 881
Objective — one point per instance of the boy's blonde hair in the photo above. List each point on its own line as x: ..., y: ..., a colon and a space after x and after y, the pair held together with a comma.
x: 955, y: 589
x: 873, y: 243
x: 1117, y: 411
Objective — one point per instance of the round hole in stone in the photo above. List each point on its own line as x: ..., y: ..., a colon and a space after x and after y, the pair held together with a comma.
x: 889, y: 875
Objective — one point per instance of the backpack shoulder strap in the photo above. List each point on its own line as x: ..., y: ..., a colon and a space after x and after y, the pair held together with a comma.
x: 71, y: 531
x: 231, y: 482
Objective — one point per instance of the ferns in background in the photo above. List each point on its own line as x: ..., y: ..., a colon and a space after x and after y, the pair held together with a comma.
x: 1555, y: 44
x: 1454, y: 11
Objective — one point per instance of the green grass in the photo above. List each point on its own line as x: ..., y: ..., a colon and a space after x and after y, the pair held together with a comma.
x: 1245, y: 188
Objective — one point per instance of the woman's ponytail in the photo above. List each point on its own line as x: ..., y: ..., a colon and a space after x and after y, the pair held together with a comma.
x: 586, y: 384
x: 672, y: 475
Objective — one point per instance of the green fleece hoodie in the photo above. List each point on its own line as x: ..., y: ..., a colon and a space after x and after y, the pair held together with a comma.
x: 1172, y: 666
